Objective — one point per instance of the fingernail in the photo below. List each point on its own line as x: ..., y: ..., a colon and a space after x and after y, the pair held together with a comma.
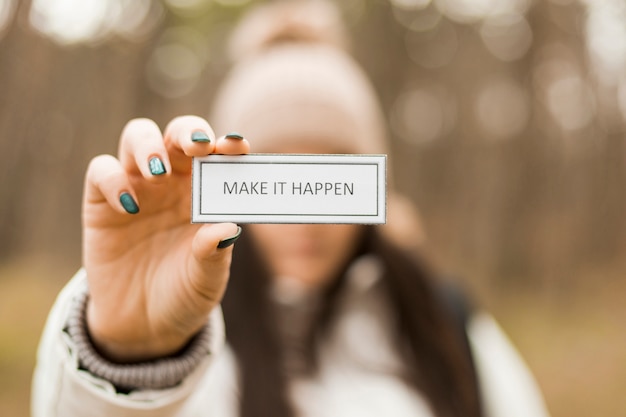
x: 129, y: 203
x: 230, y: 240
x: 156, y: 166
x: 234, y: 135
x: 199, y: 136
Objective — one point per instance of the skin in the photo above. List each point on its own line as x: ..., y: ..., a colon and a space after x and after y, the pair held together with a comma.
x: 308, y: 253
x: 154, y: 277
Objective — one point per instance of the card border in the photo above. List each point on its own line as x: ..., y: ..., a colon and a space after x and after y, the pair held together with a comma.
x: 378, y: 160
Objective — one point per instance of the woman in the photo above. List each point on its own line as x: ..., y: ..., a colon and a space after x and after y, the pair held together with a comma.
x: 320, y: 319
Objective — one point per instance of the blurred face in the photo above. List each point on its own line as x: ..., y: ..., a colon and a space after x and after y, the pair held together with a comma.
x: 309, y: 253
x: 312, y: 254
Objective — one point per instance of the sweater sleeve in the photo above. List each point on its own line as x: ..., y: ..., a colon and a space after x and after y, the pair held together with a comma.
x: 72, y: 380
x: 163, y: 373
x: 507, y: 385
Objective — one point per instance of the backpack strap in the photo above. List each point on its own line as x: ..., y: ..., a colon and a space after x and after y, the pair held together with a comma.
x: 456, y: 301
x: 460, y: 307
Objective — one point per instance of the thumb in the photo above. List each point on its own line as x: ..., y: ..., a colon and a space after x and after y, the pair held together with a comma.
x: 211, y: 251
x: 211, y: 240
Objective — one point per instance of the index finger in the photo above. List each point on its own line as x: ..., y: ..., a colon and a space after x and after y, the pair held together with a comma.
x: 186, y: 137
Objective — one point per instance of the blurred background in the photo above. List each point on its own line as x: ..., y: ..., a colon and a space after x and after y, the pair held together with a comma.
x: 508, y: 121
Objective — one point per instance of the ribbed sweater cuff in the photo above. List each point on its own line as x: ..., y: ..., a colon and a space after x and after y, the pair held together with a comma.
x: 160, y: 373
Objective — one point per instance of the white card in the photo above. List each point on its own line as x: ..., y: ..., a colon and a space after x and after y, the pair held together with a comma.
x: 289, y: 188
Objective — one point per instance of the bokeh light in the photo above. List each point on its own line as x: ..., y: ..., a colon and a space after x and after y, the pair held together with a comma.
x: 434, y: 48
x: 571, y: 102
x: 137, y: 19
x: 418, y: 20
x: 472, y: 11
x: 188, y: 8
x: 507, y: 36
x: 186, y: 4
x: 422, y: 115
x: 7, y: 8
x: 80, y: 21
x: 176, y: 63
x: 502, y: 108
x: 466, y: 11
x: 410, y: 4
x: 69, y: 21
x: 232, y: 3
x: 606, y: 38
x: 561, y: 84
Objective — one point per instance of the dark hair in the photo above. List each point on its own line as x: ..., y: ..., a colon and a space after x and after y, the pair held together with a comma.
x: 438, y: 358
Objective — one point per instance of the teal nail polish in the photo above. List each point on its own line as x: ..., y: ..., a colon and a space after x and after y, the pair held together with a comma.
x: 156, y: 166
x: 201, y: 137
x: 129, y: 203
x: 234, y: 135
x: 230, y: 240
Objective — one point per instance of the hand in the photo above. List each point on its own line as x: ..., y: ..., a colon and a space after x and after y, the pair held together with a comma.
x: 153, y: 276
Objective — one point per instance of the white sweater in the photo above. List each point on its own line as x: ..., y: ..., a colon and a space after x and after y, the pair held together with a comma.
x: 357, y: 376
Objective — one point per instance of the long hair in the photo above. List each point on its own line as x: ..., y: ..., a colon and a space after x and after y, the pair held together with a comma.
x: 438, y: 358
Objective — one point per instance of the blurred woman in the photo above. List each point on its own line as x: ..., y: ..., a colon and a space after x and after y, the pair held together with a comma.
x: 339, y: 320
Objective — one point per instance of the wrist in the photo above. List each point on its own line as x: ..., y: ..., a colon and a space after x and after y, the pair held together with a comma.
x: 130, y: 343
